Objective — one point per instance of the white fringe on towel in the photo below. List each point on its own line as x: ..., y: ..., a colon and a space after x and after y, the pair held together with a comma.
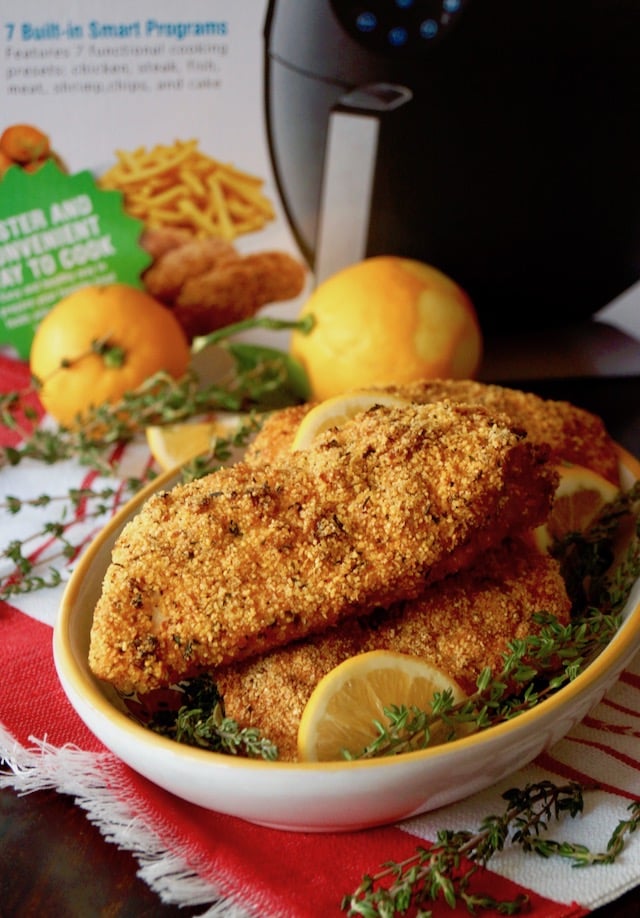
x: 89, y: 779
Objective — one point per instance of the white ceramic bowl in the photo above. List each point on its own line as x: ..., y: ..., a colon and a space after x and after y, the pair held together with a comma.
x: 318, y: 797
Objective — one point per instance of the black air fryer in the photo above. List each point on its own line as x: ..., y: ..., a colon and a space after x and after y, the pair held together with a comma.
x: 496, y: 139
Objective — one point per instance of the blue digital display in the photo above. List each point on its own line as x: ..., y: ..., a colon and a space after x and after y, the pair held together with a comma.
x: 429, y: 28
x: 366, y: 22
x: 398, y: 36
x: 398, y: 26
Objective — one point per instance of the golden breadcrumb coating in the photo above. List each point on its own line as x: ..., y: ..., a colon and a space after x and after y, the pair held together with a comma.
x: 461, y: 624
x: 274, y: 439
x: 573, y: 434
x: 251, y: 558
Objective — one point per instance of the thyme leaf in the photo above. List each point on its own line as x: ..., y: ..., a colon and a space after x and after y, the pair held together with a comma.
x: 201, y: 721
x: 262, y: 379
x: 444, y: 871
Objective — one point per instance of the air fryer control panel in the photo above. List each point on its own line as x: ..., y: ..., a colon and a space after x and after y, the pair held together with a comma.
x: 397, y: 27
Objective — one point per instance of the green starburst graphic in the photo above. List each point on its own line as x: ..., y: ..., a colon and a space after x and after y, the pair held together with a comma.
x: 58, y: 233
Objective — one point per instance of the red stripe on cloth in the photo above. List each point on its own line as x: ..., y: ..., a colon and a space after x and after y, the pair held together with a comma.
x: 85, y: 485
x: 300, y: 874
x: 297, y: 875
x: 595, y: 723
x: 621, y: 708
x: 32, y: 701
x: 547, y: 761
x: 622, y: 757
x: 15, y: 377
x: 631, y: 679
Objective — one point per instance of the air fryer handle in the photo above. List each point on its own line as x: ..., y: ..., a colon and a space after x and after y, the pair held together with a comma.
x: 350, y: 162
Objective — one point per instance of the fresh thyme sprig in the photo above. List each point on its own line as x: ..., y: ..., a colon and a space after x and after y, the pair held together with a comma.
x: 26, y: 574
x: 588, y: 558
x: 445, y: 871
x: 201, y: 721
x: 533, y: 667
x: 222, y: 449
x: 159, y: 399
x: 270, y: 380
x: 218, y: 733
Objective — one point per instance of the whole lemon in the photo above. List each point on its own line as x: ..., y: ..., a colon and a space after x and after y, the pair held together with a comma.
x: 387, y: 320
x: 100, y: 342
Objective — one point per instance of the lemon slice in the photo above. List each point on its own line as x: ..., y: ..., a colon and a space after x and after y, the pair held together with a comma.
x: 341, y: 711
x: 334, y: 412
x: 580, y: 496
x: 172, y: 445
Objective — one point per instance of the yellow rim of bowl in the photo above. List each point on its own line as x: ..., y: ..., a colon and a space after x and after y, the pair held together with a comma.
x: 87, y: 687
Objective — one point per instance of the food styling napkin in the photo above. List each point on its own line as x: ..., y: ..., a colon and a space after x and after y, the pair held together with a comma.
x: 191, y: 856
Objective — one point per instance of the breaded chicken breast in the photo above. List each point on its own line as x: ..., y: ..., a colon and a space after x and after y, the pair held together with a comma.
x: 251, y: 558
x: 462, y: 624
x: 573, y: 434
x: 275, y: 437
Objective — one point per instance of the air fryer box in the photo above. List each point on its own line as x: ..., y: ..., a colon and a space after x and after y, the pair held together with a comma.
x: 266, y: 87
x: 110, y: 84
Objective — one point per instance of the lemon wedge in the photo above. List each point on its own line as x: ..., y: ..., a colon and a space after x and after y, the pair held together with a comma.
x: 580, y: 496
x: 335, y: 411
x: 341, y: 711
x: 172, y: 445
